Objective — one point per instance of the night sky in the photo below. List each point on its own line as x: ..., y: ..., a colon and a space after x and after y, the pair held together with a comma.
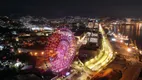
x: 60, y: 8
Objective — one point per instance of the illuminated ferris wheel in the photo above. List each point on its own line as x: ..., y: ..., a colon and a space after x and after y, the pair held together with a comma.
x: 61, y: 49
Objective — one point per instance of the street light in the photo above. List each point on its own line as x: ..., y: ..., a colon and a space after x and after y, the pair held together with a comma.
x: 35, y: 53
x: 92, y: 60
x: 115, y: 52
x: 19, y: 51
x: 121, y: 41
x: 31, y: 53
x: 87, y: 63
x: 129, y: 50
x: 113, y: 39
x: 42, y: 53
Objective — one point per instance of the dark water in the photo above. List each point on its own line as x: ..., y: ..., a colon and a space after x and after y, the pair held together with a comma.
x: 133, y: 31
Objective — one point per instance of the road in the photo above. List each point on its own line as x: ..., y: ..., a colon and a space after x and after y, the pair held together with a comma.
x: 131, y: 73
x: 105, y: 55
x: 122, y: 49
x: 131, y: 67
x: 99, y: 62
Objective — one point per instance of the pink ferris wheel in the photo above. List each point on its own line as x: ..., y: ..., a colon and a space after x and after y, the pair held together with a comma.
x: 61, y: 49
